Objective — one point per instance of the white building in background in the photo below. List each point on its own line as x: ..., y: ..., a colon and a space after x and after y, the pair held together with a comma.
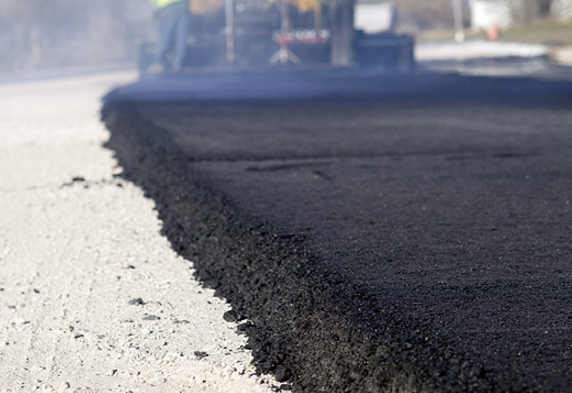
x: 375, y: 16
x: 562, y: 9
x: 488, y: 13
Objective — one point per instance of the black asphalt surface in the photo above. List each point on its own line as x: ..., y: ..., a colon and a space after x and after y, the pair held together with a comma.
x: 379, y: 233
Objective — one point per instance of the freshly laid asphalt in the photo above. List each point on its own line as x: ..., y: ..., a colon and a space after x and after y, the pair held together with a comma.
x: 376, y: 233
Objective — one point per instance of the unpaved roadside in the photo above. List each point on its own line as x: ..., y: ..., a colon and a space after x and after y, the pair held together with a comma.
x: 92, y: 298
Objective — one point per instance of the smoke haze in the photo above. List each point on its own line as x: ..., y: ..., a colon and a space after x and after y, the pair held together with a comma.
x: 55, y: 34
x: 39, y: 34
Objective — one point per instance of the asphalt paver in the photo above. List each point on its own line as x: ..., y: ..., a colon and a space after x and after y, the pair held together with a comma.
x: 409, y: 236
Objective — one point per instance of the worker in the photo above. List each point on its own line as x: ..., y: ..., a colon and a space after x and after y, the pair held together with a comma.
x: 173, y: 24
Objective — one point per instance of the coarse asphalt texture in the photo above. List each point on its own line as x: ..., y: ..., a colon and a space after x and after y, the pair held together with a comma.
x: 373, y: 233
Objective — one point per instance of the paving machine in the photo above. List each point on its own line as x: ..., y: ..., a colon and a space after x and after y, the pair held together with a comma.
x: 260, y: 34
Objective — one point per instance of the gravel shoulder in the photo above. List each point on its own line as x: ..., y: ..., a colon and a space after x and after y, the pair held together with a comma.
x: 92, y: 298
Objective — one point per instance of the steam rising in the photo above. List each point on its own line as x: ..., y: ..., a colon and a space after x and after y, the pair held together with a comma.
x: 39, y: 34
x: 56, y: 34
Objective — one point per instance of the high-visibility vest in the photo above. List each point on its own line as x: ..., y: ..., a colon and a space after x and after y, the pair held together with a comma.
x: 163, y: 3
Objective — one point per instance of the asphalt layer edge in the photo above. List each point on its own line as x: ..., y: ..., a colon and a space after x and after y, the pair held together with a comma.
x: 302, y: 326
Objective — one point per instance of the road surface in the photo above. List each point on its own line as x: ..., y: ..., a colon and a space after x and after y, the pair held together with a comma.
x: 405, y: 233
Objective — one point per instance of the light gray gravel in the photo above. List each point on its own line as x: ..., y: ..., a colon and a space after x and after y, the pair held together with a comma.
x: 92, y: 298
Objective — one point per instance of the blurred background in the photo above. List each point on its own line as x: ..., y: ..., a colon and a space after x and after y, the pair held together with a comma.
x: 36, y: 34
x: 436, y: 14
